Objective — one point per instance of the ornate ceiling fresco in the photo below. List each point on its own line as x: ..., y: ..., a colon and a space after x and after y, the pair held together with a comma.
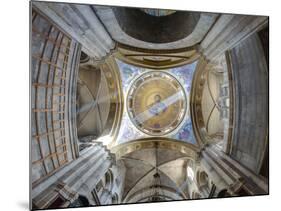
x: 157, y: 103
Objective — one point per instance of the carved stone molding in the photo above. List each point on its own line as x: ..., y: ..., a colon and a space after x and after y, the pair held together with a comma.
x: 188, y: 150
x: 156, y: 59
x: 112, y: 73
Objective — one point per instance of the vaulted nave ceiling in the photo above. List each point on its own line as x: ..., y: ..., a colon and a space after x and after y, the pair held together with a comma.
x: 161, y: 97
x: 143, y: 158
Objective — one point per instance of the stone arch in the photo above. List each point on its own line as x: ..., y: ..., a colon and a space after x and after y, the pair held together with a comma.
x: 81, y: 201
x: 203, y: 181
x: 202, y: 178
x: 108, y: 180
x: 132, y: 20
x: 223, y: 193
x: 195, y: 195
x: 144, y: 193
x: 190, y: 166
x: 188, y: 150
x: 115, y: 198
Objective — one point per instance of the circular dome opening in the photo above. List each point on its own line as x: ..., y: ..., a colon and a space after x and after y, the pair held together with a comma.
x: 143, y: 25
x: 158, y: 12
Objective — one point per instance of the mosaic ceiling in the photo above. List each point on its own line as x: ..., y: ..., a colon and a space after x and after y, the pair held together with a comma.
x: 161, y: 98
x: 156, y: 103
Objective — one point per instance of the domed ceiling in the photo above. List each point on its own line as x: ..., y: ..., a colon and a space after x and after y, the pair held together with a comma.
x: 157, y: 103
x: 155, y: 29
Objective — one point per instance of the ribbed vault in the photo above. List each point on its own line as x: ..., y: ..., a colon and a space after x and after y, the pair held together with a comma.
x: 142, y: 158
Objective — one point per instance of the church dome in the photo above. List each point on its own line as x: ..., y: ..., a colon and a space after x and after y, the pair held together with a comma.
x: 156, y: 103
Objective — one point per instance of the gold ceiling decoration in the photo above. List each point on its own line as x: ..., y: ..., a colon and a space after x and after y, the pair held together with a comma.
x: 156, y: 103
x: 156, y: 59
x: 188, y: 150
x: 199, y: 80
x: 112, y: 73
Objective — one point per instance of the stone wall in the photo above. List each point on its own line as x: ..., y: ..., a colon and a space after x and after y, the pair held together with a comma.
x: 250, y: 81
x: 79, y: 178
x: 81, y: 22
x: 53, y: 80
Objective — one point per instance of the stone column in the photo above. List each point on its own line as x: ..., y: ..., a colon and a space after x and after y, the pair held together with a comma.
x: 105, y: 197
x: 226, y: 172
x: 228, y: 31
x: 213, y: 175
x: 81, y: 23
x: 77, y: 178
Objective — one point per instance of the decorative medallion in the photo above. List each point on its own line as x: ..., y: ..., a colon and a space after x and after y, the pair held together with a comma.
x: 156, y: 103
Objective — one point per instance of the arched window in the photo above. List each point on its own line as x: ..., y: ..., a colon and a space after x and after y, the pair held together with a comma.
x: 196, y: 195
x: 82, y: 201
x: 223, y: 193
x: 202, y: 179
x: 105, y: 185
x: 114, y: 198
x: 108, y: 180
x: 99, y: 187
x: 190, y: 173
x: 203, y: 183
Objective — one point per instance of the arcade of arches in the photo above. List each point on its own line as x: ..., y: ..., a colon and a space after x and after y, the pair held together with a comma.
x: 137, y: 105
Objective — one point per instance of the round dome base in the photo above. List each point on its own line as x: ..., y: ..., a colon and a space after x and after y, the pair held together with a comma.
x: 156, y: 103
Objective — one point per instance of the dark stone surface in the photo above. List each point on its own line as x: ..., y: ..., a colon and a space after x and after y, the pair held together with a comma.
x: 250, y: 74
x: 264, y: 37
x: 163, y: 29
